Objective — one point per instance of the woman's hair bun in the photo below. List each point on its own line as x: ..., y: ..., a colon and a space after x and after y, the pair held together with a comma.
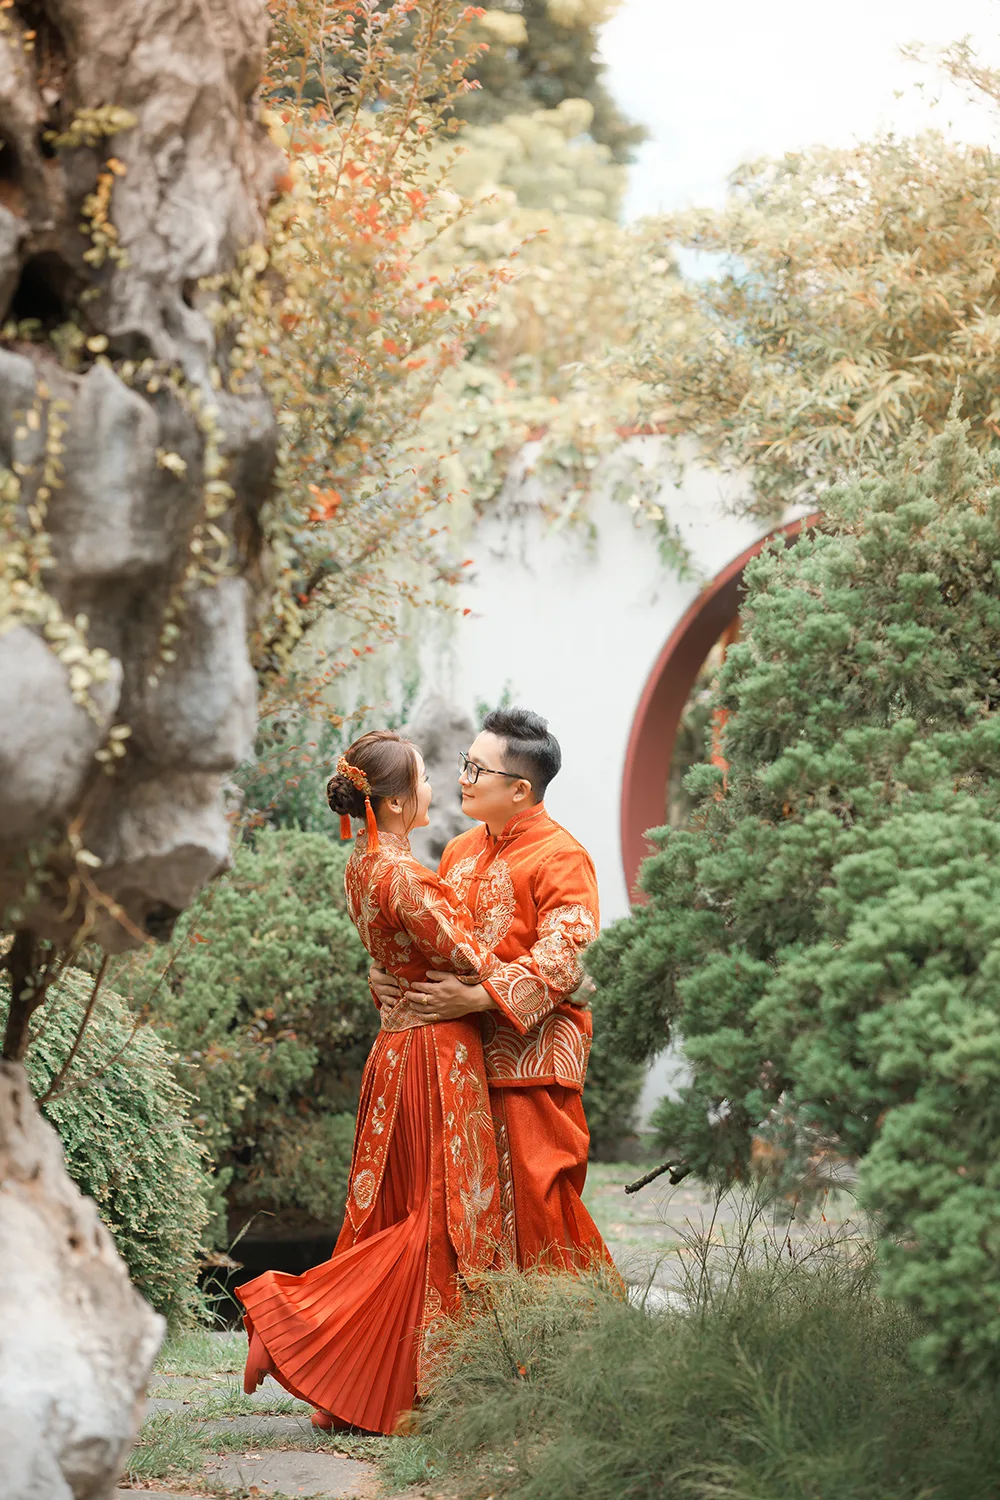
x: 381, y: 760
x: 344, y: 797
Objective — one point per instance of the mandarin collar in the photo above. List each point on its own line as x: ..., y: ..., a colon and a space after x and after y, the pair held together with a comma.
x: 398, y: 840
x: 516, y: 823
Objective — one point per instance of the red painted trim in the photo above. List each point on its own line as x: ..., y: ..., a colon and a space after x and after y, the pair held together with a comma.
x: 668, y: 687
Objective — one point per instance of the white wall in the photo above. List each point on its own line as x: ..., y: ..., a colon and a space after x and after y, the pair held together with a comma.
x: 574, y: 630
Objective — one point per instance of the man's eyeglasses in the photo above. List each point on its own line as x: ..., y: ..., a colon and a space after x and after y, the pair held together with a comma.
x: 472, y: 772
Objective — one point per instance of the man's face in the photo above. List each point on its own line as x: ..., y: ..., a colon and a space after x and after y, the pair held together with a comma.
x: 492, y: 799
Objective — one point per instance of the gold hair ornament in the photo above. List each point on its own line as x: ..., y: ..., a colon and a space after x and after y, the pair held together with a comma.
x: 360, y: 782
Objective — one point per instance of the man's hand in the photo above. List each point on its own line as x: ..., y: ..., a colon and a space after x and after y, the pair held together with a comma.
x: 386, y: 986
x: 443, y: 997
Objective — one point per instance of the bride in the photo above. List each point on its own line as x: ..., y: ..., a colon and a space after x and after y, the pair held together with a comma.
x: 355, y: 1336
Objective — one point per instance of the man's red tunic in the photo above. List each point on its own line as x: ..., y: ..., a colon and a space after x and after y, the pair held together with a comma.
x: 532, y: 894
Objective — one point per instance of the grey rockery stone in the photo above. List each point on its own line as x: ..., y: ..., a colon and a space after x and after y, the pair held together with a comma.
x: 76, y: 1340
x: 107, y: 519
x: 128, y: 428
x: 203, y: 711
x: 164, y: 837
x: 106, y: 449
x: 11, y: 235
x: 47, y: 741
x: 442, y: 731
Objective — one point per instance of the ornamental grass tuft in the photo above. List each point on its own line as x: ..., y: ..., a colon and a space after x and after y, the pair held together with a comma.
x: 775, y: 1372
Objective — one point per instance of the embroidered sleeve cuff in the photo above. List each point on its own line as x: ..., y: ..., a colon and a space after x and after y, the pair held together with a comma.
x: 490, y: 966
x: 521, y: 995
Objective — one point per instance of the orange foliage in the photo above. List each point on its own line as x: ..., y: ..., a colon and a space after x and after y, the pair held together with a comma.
x: 336, y: 319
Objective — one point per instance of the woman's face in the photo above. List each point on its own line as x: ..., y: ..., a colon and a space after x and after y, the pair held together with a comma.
x: 425, y: 794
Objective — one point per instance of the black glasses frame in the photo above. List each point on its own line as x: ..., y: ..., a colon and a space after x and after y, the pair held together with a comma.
x: 473, y: 770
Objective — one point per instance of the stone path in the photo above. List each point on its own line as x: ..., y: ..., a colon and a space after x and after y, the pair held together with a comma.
x: 203, y: 1438
x: 326, y: 1474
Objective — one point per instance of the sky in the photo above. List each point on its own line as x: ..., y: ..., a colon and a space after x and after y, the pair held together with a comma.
x: 724, y: 81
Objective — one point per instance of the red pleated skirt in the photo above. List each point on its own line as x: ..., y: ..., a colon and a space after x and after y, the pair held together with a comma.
x: 346, y: 1335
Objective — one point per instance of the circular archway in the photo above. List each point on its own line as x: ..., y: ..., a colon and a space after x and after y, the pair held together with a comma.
x: 654, y: 728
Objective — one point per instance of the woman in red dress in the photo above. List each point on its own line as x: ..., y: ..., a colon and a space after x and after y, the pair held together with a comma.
x: 356, y: 1335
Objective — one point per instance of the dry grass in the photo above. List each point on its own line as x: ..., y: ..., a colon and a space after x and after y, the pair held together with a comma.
x: 779, y: 1374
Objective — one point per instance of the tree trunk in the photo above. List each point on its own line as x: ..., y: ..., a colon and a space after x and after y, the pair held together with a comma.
x: 133, y: 166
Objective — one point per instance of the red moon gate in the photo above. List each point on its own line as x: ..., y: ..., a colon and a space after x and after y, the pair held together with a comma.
x: 668, y: 687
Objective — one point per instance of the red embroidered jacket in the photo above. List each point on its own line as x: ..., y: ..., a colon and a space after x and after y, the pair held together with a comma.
x: 409, y: 921
x: 532, y: 893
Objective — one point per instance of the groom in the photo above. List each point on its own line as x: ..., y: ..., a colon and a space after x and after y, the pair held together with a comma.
x: 532, y: 893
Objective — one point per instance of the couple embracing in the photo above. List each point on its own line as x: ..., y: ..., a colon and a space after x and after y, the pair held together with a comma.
x: 471, y: 1146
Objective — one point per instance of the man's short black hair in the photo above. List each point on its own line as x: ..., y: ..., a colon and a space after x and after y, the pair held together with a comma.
x: 530, y: 748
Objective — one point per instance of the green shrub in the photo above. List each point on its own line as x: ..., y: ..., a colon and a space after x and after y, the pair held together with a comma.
x: 265, y: 1001
x: 123, y: 1122
x: 771, y: 1379
x: 611, y: 1094
x: 826, y: 935
x: 284, y: 786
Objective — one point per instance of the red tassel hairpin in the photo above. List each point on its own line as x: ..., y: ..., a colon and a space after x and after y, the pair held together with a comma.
x: 358, y: 779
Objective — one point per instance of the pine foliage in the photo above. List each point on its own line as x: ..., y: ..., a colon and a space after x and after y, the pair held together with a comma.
x: 825, y: 936
x: 128, y: 1142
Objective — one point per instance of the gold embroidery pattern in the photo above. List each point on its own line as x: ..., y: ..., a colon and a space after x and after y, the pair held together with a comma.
x: 555, y: 1049
x: 381, y: 1085
x: 425, y: 924
x: 563, y: 934
x: 364, y: 1189
x: 518, y: 990
x: 401, y: 1016
x: 427, y: 914
x: 496, y: 903
x: 432, y: 1338
x: 468, y: 1126
x: 508, y: 1234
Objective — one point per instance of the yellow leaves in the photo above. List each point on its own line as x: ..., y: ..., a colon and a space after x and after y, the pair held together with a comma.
x: 172, y: 462
x: 505, y: 27
x: 114, y: 749
x: 854, y: 304
x: 256, y: 259
x: 360, y: 312
x: 89, y: 126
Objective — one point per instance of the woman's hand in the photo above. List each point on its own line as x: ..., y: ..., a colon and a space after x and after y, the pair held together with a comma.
x: 443, y: 997
x: 385, y: 986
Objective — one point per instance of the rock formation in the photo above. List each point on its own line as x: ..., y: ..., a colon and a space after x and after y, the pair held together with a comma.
x: 76, y: 1340
x: 134, y: 168
x: 119, y: 231
x: 442, y: 732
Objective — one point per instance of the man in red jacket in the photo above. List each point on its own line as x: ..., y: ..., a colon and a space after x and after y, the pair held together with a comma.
x: 532, y: 892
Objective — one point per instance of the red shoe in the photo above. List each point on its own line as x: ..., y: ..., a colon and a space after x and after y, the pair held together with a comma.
x: 259, y: 1363
x: 327, y: 1422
